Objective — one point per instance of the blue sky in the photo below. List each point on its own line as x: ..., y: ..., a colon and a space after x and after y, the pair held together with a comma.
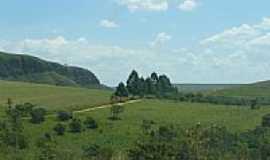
x: 193, y: 41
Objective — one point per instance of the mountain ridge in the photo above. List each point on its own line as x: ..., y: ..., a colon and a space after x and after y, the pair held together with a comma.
x: 26, y: 68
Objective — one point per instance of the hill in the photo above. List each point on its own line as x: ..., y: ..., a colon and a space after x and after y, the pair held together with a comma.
x: 204, y: 87
x: 51, y: 97
x: 259, y: 89
x: 15, y: 67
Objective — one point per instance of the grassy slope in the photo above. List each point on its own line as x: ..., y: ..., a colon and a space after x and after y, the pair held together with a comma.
x: 253, y: 90
x: 121, y: 134
x: 52, y: 97
x: 204, y: 87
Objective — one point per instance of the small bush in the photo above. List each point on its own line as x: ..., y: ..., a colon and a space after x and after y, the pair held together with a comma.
x: 75, y: 126
x: 64, y: 116
x: 38, y: 115
x: 59, y: 129
x: 266, y: 120
x: 90, y: 123
x: 93, y: 151
x: 116, y: 110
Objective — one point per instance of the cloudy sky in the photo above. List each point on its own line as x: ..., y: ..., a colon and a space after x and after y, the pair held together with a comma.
x: 193, y: 41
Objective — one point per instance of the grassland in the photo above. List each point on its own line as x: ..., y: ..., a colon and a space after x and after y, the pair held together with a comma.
x: 52, y: 97
x: 245, y: 91
x: 204, y: 87
x: 121, y: 134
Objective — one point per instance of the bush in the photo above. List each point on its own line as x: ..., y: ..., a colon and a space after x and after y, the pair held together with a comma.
x: 90, y: 123
x: 75, y: 126
x: 115, y: 111
x: 266, y: 120
x: 64, y: 116
x: 38, y: 115
x: 59, y: 129
x: 93, y: 151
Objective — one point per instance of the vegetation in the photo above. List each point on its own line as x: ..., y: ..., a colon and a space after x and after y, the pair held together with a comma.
x: 152, y: 125
x: 52, y: 98
x: 31, y: 69
x: 64, y: 116
x: 38, y: 115
x: 156, y: 86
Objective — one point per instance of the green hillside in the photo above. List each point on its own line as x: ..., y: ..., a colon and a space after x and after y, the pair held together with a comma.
x: 260, y: 89
x: 52, y: 97
x: 26, y: 68
x: 121, y: 135
x: 204, y: 87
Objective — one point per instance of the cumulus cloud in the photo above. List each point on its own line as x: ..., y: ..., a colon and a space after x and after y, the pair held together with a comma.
x: 108, y: 24
x: 238, y: 54
x: 160, y: 39
x: 147, y: 5
x: 188, y: 5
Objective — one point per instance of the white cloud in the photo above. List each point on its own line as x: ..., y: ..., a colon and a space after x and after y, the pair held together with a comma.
x: 108, y: 24
x: 188, y: 5
x: 147, y: 5
x: 239, y: 54
x: 160, y: 39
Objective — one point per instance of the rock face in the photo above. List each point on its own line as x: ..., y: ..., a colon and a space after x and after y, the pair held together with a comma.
x: 26, y: 68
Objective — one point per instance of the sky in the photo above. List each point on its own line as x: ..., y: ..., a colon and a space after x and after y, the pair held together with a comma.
x: 192, y: 41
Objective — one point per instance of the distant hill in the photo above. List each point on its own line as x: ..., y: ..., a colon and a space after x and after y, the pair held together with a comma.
x: 15, y: 67
x: 204, y: 87
x: 259, y: 89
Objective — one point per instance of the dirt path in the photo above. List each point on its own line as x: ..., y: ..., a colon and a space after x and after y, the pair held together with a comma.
x: 105, y: 106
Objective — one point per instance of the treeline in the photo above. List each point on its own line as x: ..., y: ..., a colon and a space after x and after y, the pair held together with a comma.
x: 155, y: 85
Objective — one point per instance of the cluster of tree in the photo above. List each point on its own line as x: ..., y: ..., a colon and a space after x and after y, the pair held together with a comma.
x: 155, y: 86
x: 198, y: 142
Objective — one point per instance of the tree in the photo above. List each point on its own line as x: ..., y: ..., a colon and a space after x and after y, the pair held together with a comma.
x: 38, y: 115
x: 90, y: 123
x: 75, y: 126
x: 64, y: 116
x: 115, y: 111
x: 132, y: 83
x: 154, y: 78
x: 121, y: 90
x: 59, y: 129
x: 141, y: 87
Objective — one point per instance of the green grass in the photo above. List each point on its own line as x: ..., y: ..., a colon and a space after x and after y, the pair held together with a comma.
x: 52, y: 97
x: 121, y: 134
x: 245, y: 91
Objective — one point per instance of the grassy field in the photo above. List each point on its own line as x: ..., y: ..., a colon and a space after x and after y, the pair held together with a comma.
x: 121, y: 134
x: 52, y: 97
x: 204, y: 87
x: 245, y: 91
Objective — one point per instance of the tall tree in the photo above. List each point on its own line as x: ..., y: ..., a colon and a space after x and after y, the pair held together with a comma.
x: 141, y: 87
x: 133, y: 83
x: 121, y: 90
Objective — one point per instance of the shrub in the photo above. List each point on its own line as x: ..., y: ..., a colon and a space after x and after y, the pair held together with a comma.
x: 115, y: 111
x: 266, y: 120
x: 90, y: 123
x: 94, y: 151
x: 75, y: 126
x: 38, y: 115
x: 64, y: 116
x: 59, y: 129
